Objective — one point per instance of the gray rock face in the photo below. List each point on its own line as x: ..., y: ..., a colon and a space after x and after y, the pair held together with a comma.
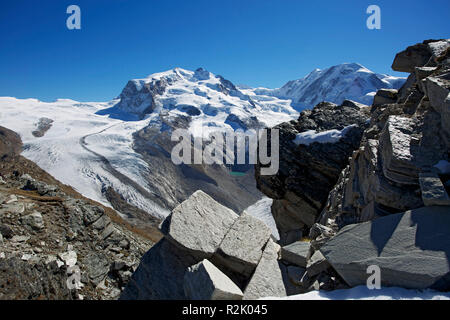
x: 414, y: 56
x: 433, y: 191
x: 42, y: 127
x: 296, y: 253
x: 295, y: 274
x: 385, y: 96
x: 34, y: 220
x: 412, y: 249
x: 97, y: 267
x: 404, y: 140
x: 243, y: 245
x: 396, y: 144
x: 242, y: 255
x: 24, y: 280
x: 437, y: 89
x: 204, y: 281
x: 199, y: 225
x: 267, y: 281
x: 308, y: 172
x: 422, y: 54
x: 160, y: 274
x: 317, y: 264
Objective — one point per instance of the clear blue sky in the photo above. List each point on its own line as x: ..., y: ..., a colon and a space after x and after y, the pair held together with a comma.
x: 259, y: 43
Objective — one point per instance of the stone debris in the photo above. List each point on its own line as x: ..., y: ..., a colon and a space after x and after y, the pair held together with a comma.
x: 204, y: 281
x: 243, y: 245
x: 199, y: 224
x: 267, y: 281
x: 297, y: 253
x: 433, y: 191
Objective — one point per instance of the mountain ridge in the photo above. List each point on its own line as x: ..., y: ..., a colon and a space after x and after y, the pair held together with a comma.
x: 346, y: 81
x: 128, y: 138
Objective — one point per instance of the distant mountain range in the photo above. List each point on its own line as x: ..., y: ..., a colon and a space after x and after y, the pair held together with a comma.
x: 121, y: 149
x: 350, y: 81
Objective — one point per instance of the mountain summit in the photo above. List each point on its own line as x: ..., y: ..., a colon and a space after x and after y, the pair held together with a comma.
x: 121, y: 149
x: 350, y: 81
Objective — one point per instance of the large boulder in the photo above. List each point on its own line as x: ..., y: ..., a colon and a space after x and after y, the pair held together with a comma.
x: 204, y: 281
x: 420, y: 54
x: 412, y: 249
x: 160, y: 274
x: 438, y: 92
x: 403, y: 144
x: 317, y: 264
x: 198, y: 225
x: 396, y: 150
x: 243, y: 245
x: 433, y: 191
x: 414, y: 56
x: 297, y: 253
x: 267, y: 281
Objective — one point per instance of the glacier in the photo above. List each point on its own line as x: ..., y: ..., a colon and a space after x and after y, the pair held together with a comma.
x: 90, y: 145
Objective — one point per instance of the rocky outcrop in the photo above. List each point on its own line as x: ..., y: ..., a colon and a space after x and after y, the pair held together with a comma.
x: 10, y: 143
x: 395, y: 191
x: 419, y: 55
x: 43, y: 125
x: 396, y: 166
x: 267, y: 281
x: 199, y: 225
x: 309, y: 171
x: 297, y: 253
x: 54, y: 243
x: 242, y: 247
x: 212, y: 253
x: 204, y: 281
x: 412, y: 249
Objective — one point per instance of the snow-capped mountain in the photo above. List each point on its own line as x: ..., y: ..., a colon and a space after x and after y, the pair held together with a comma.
x: 121, y: 149
x: 350, y: 81
x: 210, y: 101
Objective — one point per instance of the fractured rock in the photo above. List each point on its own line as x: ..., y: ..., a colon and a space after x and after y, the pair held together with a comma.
x: 317, y: 264
x: 160, y: 274
x: 395, y: 147
x: 199, y: 224
x: 34, y: 220
x: 385, y: 96
x: 307, y: 173
x: 97, y: 267
x: 296, y: 253
x: 414, y: 56
x: 438, y: 92
x: 267, y: 281
x: 69, y: 258
x: 433, y: 191
x: 204, y: 281
x: 412, y: 249
x: 295, y: 274
x: 243, y: 245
